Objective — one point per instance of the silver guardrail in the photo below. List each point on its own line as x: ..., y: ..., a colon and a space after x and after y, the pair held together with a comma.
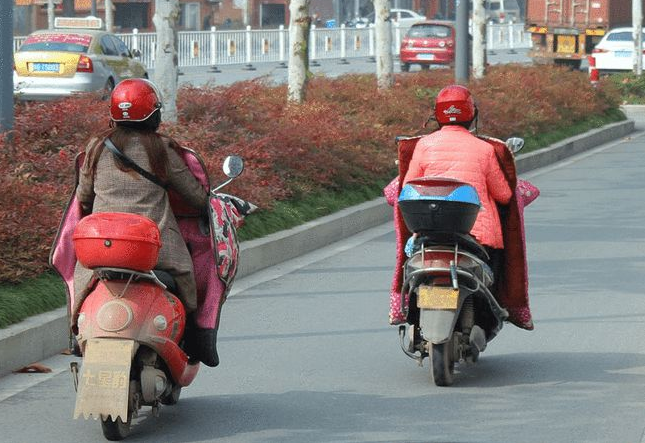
x: 249, y: 46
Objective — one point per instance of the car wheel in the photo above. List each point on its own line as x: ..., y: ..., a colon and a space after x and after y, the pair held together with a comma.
x: 405, y: 67
x: 107, y: 89
x: 573, y: 65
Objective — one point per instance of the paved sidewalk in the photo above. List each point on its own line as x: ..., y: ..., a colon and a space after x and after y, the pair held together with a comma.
x: 45, y: 335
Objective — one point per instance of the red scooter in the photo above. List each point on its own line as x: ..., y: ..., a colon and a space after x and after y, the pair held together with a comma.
x: 444, y: 291
x: 130, y: 328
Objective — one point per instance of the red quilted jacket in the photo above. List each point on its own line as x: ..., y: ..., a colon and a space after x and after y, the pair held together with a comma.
x: 453, y: 152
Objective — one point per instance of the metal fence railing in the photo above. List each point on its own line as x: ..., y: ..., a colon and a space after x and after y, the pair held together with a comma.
x: 17, y: 41
x: 507, y: 37
x: 214, y: 48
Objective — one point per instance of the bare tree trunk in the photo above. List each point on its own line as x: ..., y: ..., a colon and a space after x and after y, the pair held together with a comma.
x: 383, y: 33
x: 479, y: 44
x: 245, y: 13
x: 637, y: 23
x: 166, y: 59
x: 299, y: 51
x: 109, y: 16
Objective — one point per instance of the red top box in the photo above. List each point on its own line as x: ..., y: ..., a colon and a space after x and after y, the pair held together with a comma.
x: 117, y: 240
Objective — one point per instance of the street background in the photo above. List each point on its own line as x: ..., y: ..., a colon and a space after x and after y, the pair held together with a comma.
x: 307, y: 354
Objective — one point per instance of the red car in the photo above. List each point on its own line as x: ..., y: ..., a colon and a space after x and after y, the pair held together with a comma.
x: 428, y: 43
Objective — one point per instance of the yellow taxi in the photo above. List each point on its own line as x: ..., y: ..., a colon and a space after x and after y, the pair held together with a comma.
x: 77, y: 56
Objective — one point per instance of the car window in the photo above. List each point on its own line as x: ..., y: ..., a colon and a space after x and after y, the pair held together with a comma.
x: 121, y: 48
x: 107, y: 46
x: 405, y: 14
x: 621, y: 36
x: 57, y: 42
x: 437, y: 31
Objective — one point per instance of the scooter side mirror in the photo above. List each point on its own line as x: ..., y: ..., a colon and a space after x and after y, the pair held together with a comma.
x: 233, y: 166
x: 515, y: 144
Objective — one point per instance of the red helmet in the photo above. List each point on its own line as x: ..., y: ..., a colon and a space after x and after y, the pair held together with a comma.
x: 134, y: 100
x: 454, y: 104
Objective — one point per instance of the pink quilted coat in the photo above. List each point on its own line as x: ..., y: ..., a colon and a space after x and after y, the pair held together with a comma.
x: 453, y: 152
x: 513, y: 291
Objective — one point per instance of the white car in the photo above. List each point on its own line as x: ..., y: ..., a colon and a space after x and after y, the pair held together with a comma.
x: 404, y: 17
x: 615, y: 52
x: 502, y: 11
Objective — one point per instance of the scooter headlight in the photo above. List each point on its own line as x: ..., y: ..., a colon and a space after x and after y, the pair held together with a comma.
x: 114, y: 316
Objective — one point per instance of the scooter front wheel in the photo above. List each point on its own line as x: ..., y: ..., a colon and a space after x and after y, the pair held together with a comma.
x: 173, y: 397
x: 443, y: 363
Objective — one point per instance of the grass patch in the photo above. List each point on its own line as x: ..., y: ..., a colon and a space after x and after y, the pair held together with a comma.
x: 289, y: 214
x: 47, y: 292
x: 42, y: 294
x: 631, y: 87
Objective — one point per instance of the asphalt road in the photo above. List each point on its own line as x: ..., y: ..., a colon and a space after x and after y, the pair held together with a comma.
x: 273, y: 72
x: 307, y: 354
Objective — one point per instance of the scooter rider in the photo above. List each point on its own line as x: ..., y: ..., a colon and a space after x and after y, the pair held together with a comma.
x: 453, y: 152
x: 107, y: 183
x: 489, y: 165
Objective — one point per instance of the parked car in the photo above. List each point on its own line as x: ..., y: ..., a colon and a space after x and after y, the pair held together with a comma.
x: 404, y: 17
x: 428, y: 43
x: 58, y: 63
x: 358, y: 22
x: 502, y: 11
x: 615, y: 51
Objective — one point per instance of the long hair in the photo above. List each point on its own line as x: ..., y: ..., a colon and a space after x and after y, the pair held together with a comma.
x: 122, y: 134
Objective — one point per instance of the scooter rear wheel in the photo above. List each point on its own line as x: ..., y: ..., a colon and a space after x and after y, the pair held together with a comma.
x: 116, y: 430
x: 443, y: 363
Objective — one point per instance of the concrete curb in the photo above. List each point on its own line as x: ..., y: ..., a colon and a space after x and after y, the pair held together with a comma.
x: 44, y: 335
x: 573, y: 145
x: 33, y: 339
x: 285, y: 245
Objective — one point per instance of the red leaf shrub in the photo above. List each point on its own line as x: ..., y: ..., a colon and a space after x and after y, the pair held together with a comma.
x: 342, y: 136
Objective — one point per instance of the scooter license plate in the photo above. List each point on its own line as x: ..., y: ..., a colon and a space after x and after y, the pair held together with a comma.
x: 104, y: 383
x: 437, y: 297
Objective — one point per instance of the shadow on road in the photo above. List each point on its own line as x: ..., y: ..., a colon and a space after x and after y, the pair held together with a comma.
x: 485, y: 390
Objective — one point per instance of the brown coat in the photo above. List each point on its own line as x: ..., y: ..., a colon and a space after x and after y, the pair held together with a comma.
x: 114, y: 190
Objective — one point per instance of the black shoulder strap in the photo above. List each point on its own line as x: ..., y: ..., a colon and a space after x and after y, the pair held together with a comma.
x: 131, y: 164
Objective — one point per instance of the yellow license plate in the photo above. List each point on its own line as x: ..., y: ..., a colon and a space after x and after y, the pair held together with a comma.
x: 437, y: 297
x: 567, y: 44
